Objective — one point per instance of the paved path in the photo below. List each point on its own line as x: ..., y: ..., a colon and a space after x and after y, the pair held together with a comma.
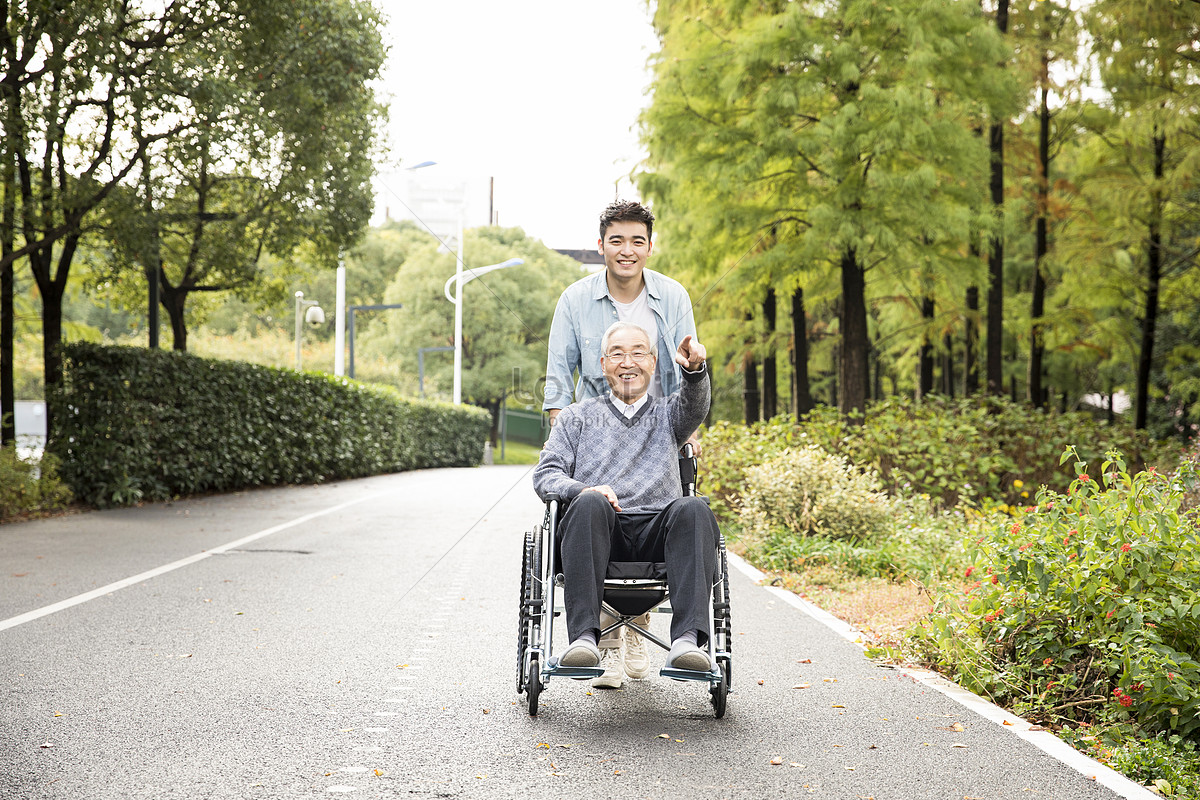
x: 359, y: 638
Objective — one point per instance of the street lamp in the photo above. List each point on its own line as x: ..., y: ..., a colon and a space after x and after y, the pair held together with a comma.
x: 313, y: 315
x: 459, y: 279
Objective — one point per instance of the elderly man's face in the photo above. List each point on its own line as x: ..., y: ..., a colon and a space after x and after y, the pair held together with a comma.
x: 628, y: 365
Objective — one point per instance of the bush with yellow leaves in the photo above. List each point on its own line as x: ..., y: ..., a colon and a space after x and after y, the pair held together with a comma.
x: 808, y: 491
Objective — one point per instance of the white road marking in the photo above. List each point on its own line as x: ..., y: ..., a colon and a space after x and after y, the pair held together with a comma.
x: 78, y: 599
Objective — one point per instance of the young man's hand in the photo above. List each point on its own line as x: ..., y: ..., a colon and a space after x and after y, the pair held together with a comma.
x: 691, y: 354
x: 608, y: 493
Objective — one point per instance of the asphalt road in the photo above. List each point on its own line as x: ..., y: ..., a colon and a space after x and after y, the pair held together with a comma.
x: 359, y: 638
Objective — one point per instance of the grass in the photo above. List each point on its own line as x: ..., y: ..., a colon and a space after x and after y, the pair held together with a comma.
x: 517, y: 453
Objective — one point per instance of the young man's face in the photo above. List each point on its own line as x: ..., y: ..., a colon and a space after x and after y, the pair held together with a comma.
x: 628, y: 365
x: 625, y: 247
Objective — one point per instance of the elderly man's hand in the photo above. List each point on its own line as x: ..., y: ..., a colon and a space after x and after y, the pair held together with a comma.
x: 691, y: 354
x: 608, y: 493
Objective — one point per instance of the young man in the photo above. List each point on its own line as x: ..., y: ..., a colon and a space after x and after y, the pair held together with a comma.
x: 615, y: 459
x: 625, y: 291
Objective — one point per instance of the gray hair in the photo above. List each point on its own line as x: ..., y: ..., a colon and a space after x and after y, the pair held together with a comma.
x: 627, y: 326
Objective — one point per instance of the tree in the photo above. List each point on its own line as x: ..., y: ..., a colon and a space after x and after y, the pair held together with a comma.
x: 845, y: 133
x: 1149, y: 154
x: 278, y: 153
x: 506, y: 316
x: 73, y: 75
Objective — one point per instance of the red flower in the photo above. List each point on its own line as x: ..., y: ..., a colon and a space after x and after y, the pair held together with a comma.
x: 1025, y: 546
x: 1171, y: 675
x: 1125, y: 548
x: 1109, y: 615
x: 1117, y: 692
x: 1072, y: 532
x: 1015, y: 529
x: 1071, y: 557
x: 969, y: 571
x: 1084, y: 478
x: 1126, y: 701
x: 995, y: 579
x: 1137, y: 687
x: 1047, y: 661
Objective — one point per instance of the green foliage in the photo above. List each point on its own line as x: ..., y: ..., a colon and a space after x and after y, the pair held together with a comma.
x: 1085, y: 608
x: 30, y: 486
x: 966, y: 450
x: 808, y: 491
x: 1169, y: 764
x: 141, y: 424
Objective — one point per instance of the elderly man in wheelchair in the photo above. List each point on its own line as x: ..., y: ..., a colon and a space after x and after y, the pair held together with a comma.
x: 614, y: 461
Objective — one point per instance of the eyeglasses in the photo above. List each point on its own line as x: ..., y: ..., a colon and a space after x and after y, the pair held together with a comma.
x: 638, y: 356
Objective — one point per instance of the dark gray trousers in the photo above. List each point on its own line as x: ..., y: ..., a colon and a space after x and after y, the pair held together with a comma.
x: 683, y: 536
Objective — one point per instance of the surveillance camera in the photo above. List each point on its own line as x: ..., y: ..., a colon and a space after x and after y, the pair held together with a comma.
x: 314, y: 316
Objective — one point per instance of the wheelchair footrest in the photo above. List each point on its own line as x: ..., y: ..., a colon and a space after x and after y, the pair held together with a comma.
x: 578, y: 673
x: 690, y: 674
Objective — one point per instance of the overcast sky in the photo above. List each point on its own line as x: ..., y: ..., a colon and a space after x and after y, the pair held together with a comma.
x: 542, y: 95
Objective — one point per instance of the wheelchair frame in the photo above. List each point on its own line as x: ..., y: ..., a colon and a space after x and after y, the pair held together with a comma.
x: 540, y: 580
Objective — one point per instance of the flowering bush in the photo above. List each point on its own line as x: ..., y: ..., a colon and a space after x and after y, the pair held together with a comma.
x: 808, y: 491
x: 1086, y: 607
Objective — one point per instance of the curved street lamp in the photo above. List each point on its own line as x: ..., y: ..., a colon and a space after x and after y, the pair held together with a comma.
x: 460, y: 278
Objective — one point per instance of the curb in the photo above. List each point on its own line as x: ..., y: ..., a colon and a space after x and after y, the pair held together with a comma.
x: 1043, y: 740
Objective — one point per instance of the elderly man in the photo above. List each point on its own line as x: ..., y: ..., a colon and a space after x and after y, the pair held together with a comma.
x: 615, y: 458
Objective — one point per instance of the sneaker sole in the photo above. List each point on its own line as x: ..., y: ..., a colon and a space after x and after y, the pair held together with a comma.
x: 695, y: 661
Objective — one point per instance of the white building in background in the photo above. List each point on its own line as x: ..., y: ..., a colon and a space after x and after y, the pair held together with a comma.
x: 434, y: 198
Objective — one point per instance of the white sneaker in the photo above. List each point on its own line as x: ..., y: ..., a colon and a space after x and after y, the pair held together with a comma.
x: 614, y: 669
x: 637, y: 658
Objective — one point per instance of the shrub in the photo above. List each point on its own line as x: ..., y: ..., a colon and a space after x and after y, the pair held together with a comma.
x: 954, y: 450
x: 135, y: 424
x: 30, y: 486
x: 808, y: 491
x: 1087, y: 607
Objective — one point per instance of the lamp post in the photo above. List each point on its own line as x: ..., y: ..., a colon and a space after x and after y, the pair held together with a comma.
x: 459, y: 279
x: 313, y: 315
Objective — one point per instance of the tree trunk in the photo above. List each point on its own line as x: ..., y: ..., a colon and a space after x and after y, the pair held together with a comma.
x: 1153, y: 277
x: 971, y: 341
x: 8, y: 428
x: 1040, y: 242
x: 750, y: 392
x: 853, y: 373
x: 802, y: 401
x: 174, y: 299
x: 948, y: 366
x: 925, y: 366
x: 770, y: 388
x: 995, y: 296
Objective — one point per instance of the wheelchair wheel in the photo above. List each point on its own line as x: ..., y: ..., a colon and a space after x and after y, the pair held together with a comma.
x: 722, y: 625
x: 534, y: 688
x: 720, y: 691
x: 523, y: 613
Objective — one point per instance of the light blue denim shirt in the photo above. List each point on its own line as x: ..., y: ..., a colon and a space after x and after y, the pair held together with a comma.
x: 585, y: 311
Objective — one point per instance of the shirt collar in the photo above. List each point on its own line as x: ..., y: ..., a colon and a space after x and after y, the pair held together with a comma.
x: 621, y: 405
x: 650, y: 277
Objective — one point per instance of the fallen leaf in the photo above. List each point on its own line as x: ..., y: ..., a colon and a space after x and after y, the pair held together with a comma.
x: 679, y: 740
x: 565, y: 746
x: 830, y: 680
x: 664, y: 736
x: 401, y: 666
x: 379, y: 773
x: 1037, y: 728
x: 760, y: 683
x: 542, y: 744
x: 794, y: 764
x: 1006, y: 722
x: 58, y: 713
x: 477, y: 777
x: 957, y: 727
x: 45, y: 745
x: 487, y: 711
x: 958, y: 744
x: 802, y: 686
x: 835, y: 705
x: 616, y: 772
x: 804, y: 661
x: 775, y: 762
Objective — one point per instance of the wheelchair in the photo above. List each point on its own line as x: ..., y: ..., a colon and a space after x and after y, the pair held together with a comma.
x: 630, y: 590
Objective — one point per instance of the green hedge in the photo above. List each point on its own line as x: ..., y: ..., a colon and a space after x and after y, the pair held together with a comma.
x: 133, y: 424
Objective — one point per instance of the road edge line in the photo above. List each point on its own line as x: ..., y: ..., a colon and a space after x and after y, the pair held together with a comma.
x: 124, y: 583
x: 1043, y: 740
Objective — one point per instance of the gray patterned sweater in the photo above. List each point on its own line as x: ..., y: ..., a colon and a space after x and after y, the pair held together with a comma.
x: 592, y: 443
